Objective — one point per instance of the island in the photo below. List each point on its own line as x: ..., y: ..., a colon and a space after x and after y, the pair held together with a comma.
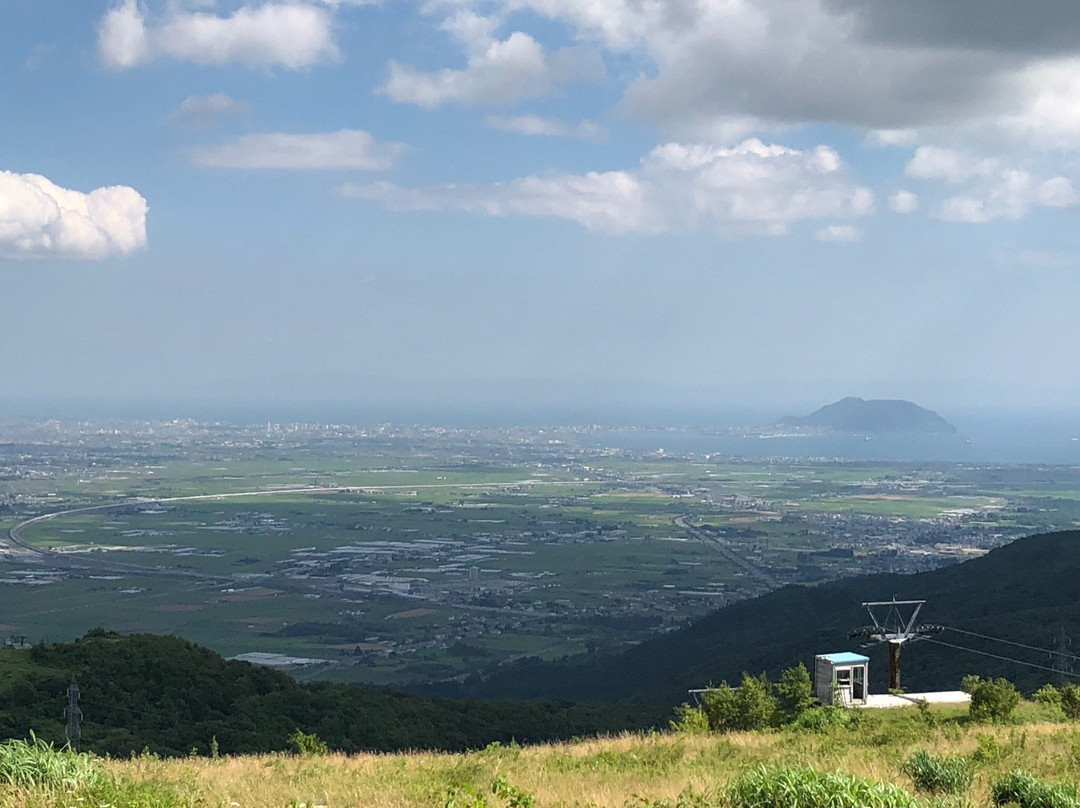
x: 871, y: 417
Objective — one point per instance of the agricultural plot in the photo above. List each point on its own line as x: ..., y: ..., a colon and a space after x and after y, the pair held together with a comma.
x: 390, y: 560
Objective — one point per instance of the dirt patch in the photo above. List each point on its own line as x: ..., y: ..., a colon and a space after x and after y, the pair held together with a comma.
x: 411, y: 613
x: 179, y: 607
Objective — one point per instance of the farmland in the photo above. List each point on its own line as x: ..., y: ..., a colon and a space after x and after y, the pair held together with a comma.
x: 393, y: 555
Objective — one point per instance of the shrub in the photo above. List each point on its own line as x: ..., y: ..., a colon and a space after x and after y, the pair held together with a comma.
x: 794, y: 787
x: 515, y: 797
x: 1027, y: 791
x: 795, y: 691
x: 1048, y: 695
x: 1070, y: 701
x: 939, y: 775
x: 991, y: 699
x: 752, y: 706
x: 818, y: 719
x: 689, y: 719
x: 304, y: 743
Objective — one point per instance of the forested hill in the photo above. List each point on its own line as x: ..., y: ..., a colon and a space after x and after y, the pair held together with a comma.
x: 170, y: 696
x: 876, y: 416
x: 1027, y: 591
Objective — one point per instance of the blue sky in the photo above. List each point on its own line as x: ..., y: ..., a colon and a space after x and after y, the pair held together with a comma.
x: 727, y: 202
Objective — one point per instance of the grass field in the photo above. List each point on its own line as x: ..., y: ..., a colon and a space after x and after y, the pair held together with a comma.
x: 646, y: 771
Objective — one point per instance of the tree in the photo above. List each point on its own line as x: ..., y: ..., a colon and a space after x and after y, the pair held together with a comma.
x: 795, y: 692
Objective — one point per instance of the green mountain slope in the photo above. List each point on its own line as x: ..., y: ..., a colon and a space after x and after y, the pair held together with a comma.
x: 876, y: 416
x: 169, y: 696
x: 1027, y: 592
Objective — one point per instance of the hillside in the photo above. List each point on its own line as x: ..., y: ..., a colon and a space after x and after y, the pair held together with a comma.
x: 1027, y: 591
x: 876, y: 416
x: 169, y: 696
x: 657, y: 770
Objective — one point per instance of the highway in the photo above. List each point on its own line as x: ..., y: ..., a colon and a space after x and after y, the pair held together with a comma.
x: 729, y: 552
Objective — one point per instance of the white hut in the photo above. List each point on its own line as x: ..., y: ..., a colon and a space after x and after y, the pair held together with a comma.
x: 842, y: 674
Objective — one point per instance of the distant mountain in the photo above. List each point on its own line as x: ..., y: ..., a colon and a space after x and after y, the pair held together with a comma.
x: 856, y: 415
x: 1027, y: 592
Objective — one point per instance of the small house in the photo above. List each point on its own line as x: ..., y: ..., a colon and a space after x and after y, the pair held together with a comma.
x: 841, y: 678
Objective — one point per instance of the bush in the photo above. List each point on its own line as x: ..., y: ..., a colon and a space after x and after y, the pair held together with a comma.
x: 1028, y: 791
x: 939, y: 775
x: 1070, y: 701
x: 752, y: 706
x: 305, y: 743
x: 690, y: 720
x: 794, y: 787
x: 795, y: 692
x: 818, y: 719
x: 1048, y: 695
x: 991, y: 699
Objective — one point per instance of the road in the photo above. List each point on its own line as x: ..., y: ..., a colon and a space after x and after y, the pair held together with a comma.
x: 729, y: 552
x: 84, y: 561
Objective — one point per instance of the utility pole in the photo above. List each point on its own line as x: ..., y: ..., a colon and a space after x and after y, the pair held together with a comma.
x: 892, y: 627
x: 74, y: 715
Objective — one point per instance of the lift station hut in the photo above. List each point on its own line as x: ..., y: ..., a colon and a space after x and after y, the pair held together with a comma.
x: 842, y: 674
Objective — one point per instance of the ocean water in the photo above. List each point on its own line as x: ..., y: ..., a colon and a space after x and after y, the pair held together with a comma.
x: 1049, y: 440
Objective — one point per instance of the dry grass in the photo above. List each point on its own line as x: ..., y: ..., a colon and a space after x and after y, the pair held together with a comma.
x: 605, y: 773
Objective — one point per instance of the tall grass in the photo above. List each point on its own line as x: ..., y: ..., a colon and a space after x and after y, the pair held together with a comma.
x: 797, y: 787
x: 36, y: 764
x: 937, y: 774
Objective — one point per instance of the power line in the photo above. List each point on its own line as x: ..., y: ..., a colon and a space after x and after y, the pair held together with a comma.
x: 999, y: 656
x: 1010, y: 642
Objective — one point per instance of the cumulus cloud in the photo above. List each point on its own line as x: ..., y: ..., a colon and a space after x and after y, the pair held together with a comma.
x: 889, y: 67
x: 198, y: 110
x: 290, y: 35
x: 904, y: 202
x: 994, y: 189
x: 39, y: 219
x: 546, y: 127
x: 840, y: 233
x: 501, y: 72
x: 122, y: 37
x: 345, y: 149
x: 752, y: 188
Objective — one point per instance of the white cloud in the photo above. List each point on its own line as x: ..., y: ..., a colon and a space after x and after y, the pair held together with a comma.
x: 840, y: 233
x: 197, y: 110
x: 752, y: 188
x: 345, y: 149
x: 500, y: 72
x: 936, y: 163
x: 291, y: 35
x: 893, y: 137
x: 995, y: 190
x: 39, y: 219
x: 904, y: 202
x: 122, y: 38
x: 550, y: 127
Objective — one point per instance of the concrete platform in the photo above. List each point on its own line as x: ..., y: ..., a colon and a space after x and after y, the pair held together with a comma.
x: 888, y: 700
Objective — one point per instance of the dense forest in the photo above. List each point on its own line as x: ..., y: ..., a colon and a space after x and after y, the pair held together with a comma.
x: 168, y: 696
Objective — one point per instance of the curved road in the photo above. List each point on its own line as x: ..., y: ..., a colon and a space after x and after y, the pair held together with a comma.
x: 84, y: 561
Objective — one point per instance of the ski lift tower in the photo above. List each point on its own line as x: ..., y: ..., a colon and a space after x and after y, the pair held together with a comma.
x: 892, y: 627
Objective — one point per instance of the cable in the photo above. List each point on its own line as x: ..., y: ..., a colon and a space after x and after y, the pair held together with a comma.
x: 1010, y: 642
x: 998, y: 656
